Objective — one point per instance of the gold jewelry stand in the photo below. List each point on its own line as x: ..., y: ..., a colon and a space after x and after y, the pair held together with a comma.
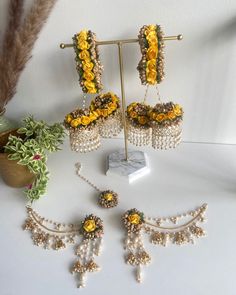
x: 120, y: 43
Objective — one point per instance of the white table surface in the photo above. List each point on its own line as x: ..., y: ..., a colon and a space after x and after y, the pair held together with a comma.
x: 180, y: 180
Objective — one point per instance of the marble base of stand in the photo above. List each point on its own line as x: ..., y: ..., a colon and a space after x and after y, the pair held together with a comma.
x: 136, y: 166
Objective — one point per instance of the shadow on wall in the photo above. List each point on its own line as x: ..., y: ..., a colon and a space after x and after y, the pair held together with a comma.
x: 215, y: 86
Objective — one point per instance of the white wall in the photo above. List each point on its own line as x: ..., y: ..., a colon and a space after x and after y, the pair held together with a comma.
x: 200, y: 70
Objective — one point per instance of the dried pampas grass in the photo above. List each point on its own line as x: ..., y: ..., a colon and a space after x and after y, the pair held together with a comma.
x: 18, y: 42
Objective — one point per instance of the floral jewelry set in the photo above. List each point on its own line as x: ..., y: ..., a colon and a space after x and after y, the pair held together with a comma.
x: 159, y: 125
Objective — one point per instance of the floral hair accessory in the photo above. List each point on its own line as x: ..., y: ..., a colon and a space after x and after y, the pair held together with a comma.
x: 151, y: 65
x: 87, y: 59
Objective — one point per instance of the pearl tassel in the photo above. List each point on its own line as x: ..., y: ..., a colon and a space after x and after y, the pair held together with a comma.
x: 139, y: 274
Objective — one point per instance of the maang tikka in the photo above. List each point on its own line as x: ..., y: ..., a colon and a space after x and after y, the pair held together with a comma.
x: 136, y: 223
x: 54, y: 235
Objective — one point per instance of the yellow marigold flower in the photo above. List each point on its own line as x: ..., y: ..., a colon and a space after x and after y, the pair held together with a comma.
x: 131, y: 106
x: 69, y: 118
x: 151, y: 76
x: 76, y: 122
x: 89, y: 225
x: 178, y: 110
x: 171, y: 115
x: 81, y: 39
x: 134, y: 218
x: 84, y: 54
x: 151, y: 65
x: 142, y: 120
x: 133, y: 114
x: 108, y: 197
x: 149, y: 29
x: 152, y: 39
x: 152, y: 52
x: 93, y: 116
x: 153, y: 115
x: 83, y: 33
x: 109, y: 110
x: 90, y: 86
x: 113, y: 106
x: 87, y: 65
x: 104, y: 113
x: 85, y: 120
x: 160, y: 117
x: 114, y: 98
x: 83, y: 45
x: 89, y: 76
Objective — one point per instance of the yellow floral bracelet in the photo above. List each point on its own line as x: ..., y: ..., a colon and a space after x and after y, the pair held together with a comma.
x: 151, y: 65
x: 87, y: 61
x: 80, y: 118
x: 138, y: 114
x: 105, y: 104
x: 166, y: 114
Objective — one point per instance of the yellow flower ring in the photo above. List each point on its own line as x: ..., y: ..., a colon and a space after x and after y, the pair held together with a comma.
x: 151, y: 65
x: 87, y: 61
x: 80, y: 118
x: 138, y: 114
x: 105, y: 104
x: 133, y: 220
x: 166, y: 114
x: 91, y: 227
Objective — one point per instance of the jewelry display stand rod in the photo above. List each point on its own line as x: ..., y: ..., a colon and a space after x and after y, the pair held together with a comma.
x: 119, y: 43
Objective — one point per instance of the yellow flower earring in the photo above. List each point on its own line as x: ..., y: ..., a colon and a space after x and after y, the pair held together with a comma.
x: 82, y: 122
x: 165, y: 119
x: 151, y: 72
x: 179, y: 230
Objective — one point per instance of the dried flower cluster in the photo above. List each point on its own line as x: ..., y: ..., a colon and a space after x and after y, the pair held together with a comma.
x: 18, y: 41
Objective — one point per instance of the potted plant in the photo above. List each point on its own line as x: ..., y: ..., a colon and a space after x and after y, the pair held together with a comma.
x: 23, y: 158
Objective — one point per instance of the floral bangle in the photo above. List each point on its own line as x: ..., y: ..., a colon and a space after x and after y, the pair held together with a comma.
x: 105, y: 104
x: 80, y: 118
x: 151, y: 65
x: 166, y: 114
x: 138, y: 114
x: 87, y: 59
